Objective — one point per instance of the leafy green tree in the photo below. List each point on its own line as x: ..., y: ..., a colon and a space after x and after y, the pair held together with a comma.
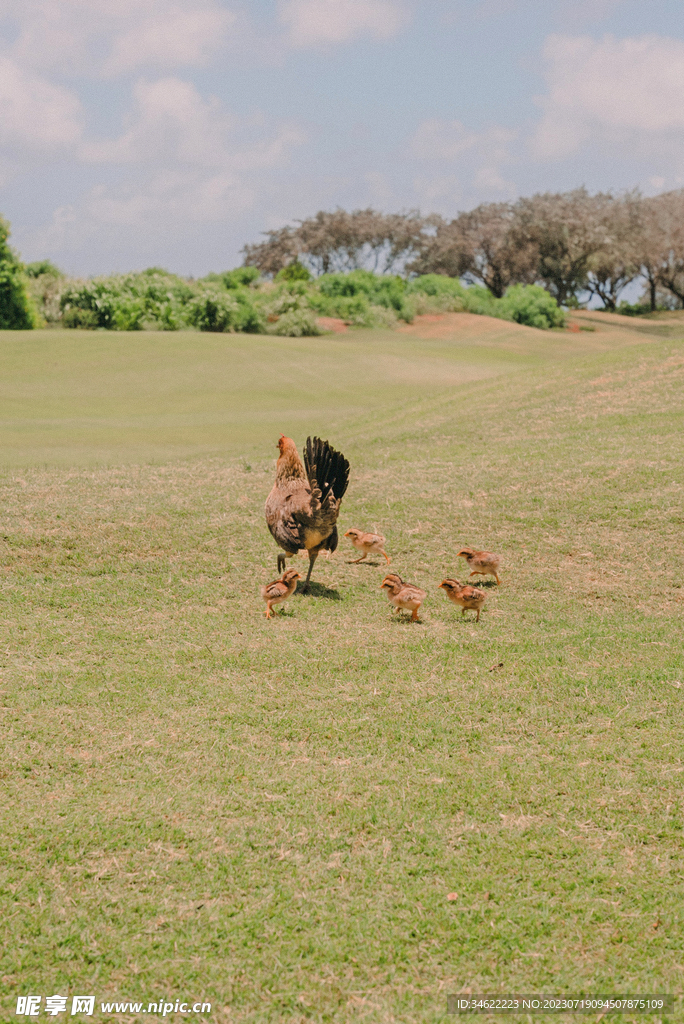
x: 17, y: 312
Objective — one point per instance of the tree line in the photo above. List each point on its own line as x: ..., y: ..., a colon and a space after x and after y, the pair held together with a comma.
x: 573, y: 244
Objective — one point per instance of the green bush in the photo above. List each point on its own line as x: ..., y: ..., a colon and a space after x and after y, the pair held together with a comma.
x: 41, y: 267
x: 296, y: 323
x: 437, y: 286
x: 17, y: 311
x: 151, y: 300
x: 241, y: 277
x: 213, y: 311
x: 524, y: 304
x: 294, y: 271
x: 531, y: 305
x: 83, y: 318
x: 378, y: 290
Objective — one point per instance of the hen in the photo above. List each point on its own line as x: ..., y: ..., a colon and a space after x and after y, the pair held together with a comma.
x: 303, y: 506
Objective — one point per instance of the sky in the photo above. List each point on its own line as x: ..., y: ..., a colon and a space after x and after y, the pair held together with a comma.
x: 138, y: 133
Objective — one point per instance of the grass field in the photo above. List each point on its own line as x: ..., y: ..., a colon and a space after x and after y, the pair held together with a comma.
x: 271, y: 816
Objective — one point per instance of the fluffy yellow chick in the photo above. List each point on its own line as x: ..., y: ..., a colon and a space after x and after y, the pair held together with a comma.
x: 280, y: 590
x: 482, y: 563
x: 466, y: 596
x: 368, y: 543
x: 403, y: 595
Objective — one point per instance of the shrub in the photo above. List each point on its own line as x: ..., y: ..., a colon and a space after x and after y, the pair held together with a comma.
x: 387, y: 290
x: 241, y: 277
x: 532, y: 305
x: 213, y: 311
x: 296, y: 323
x: 17, y: 311
x: 151, y: 300
x: 294, y: 271
x: 524, y: 304
x: 41, y: 267
x: 84, y: 318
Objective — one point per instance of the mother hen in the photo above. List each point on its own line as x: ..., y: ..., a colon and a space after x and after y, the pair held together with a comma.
x: 302, y: 508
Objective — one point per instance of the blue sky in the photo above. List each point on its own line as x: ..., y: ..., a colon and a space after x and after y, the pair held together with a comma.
x: 170, y: 132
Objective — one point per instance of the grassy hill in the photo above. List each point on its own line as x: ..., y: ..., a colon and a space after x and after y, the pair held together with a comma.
x: 273, y: 816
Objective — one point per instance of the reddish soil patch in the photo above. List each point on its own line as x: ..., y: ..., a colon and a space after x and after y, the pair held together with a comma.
x: 331, y: 323
x: 446, y: 325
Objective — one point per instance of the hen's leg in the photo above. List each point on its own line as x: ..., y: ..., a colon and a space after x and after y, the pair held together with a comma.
x: 281, y: 563
x: 313, y: 555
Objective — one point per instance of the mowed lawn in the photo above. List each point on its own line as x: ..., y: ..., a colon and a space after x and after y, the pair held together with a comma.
x: 274, y: 816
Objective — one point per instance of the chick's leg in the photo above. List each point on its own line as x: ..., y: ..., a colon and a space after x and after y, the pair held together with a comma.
x: 498, y: 581
x: 313, y: 555
x: 414, y: 614
x: 359, y: 559
x: 386, y: 556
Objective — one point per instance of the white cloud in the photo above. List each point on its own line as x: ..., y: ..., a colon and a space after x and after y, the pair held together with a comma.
x: 312, y: 22
x: 34, y: 113
x: 160, y: 213
x: 615, y: 90
x: 478, y: 156
x: 173, y: 125
x: 171, y: 122
x: 110, y: 37
x: 179, y: 38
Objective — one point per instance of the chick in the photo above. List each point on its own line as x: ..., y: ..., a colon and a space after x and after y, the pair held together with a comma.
x: 403, y: 595
x: 280, y: 590
x: 367, y: 542
x: 482, y: 563
x: 466, y: 596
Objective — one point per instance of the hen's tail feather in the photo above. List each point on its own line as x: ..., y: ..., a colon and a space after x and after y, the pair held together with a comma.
x: 327, y: 467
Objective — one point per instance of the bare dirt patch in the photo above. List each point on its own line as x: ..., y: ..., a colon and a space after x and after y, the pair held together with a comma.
x: 332, y: 323
x: 444, y: 325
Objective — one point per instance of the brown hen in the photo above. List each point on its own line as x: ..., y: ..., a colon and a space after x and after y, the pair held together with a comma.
x: 303, y: 506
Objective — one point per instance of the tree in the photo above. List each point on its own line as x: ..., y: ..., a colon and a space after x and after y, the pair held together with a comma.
x: 480, y: 246
x: 340, y: 241
x: 617, y: 262
x: 16, y: 309
x: 566, y: 230
x: 665, y: 233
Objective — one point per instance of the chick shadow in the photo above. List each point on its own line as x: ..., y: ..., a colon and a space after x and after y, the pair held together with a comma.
x: 484, y: 584
x: 370, y: 565
x: 319, y: 590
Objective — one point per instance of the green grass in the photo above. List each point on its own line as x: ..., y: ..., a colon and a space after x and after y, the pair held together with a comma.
x: 270, y: 816
x: 81, y: 398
